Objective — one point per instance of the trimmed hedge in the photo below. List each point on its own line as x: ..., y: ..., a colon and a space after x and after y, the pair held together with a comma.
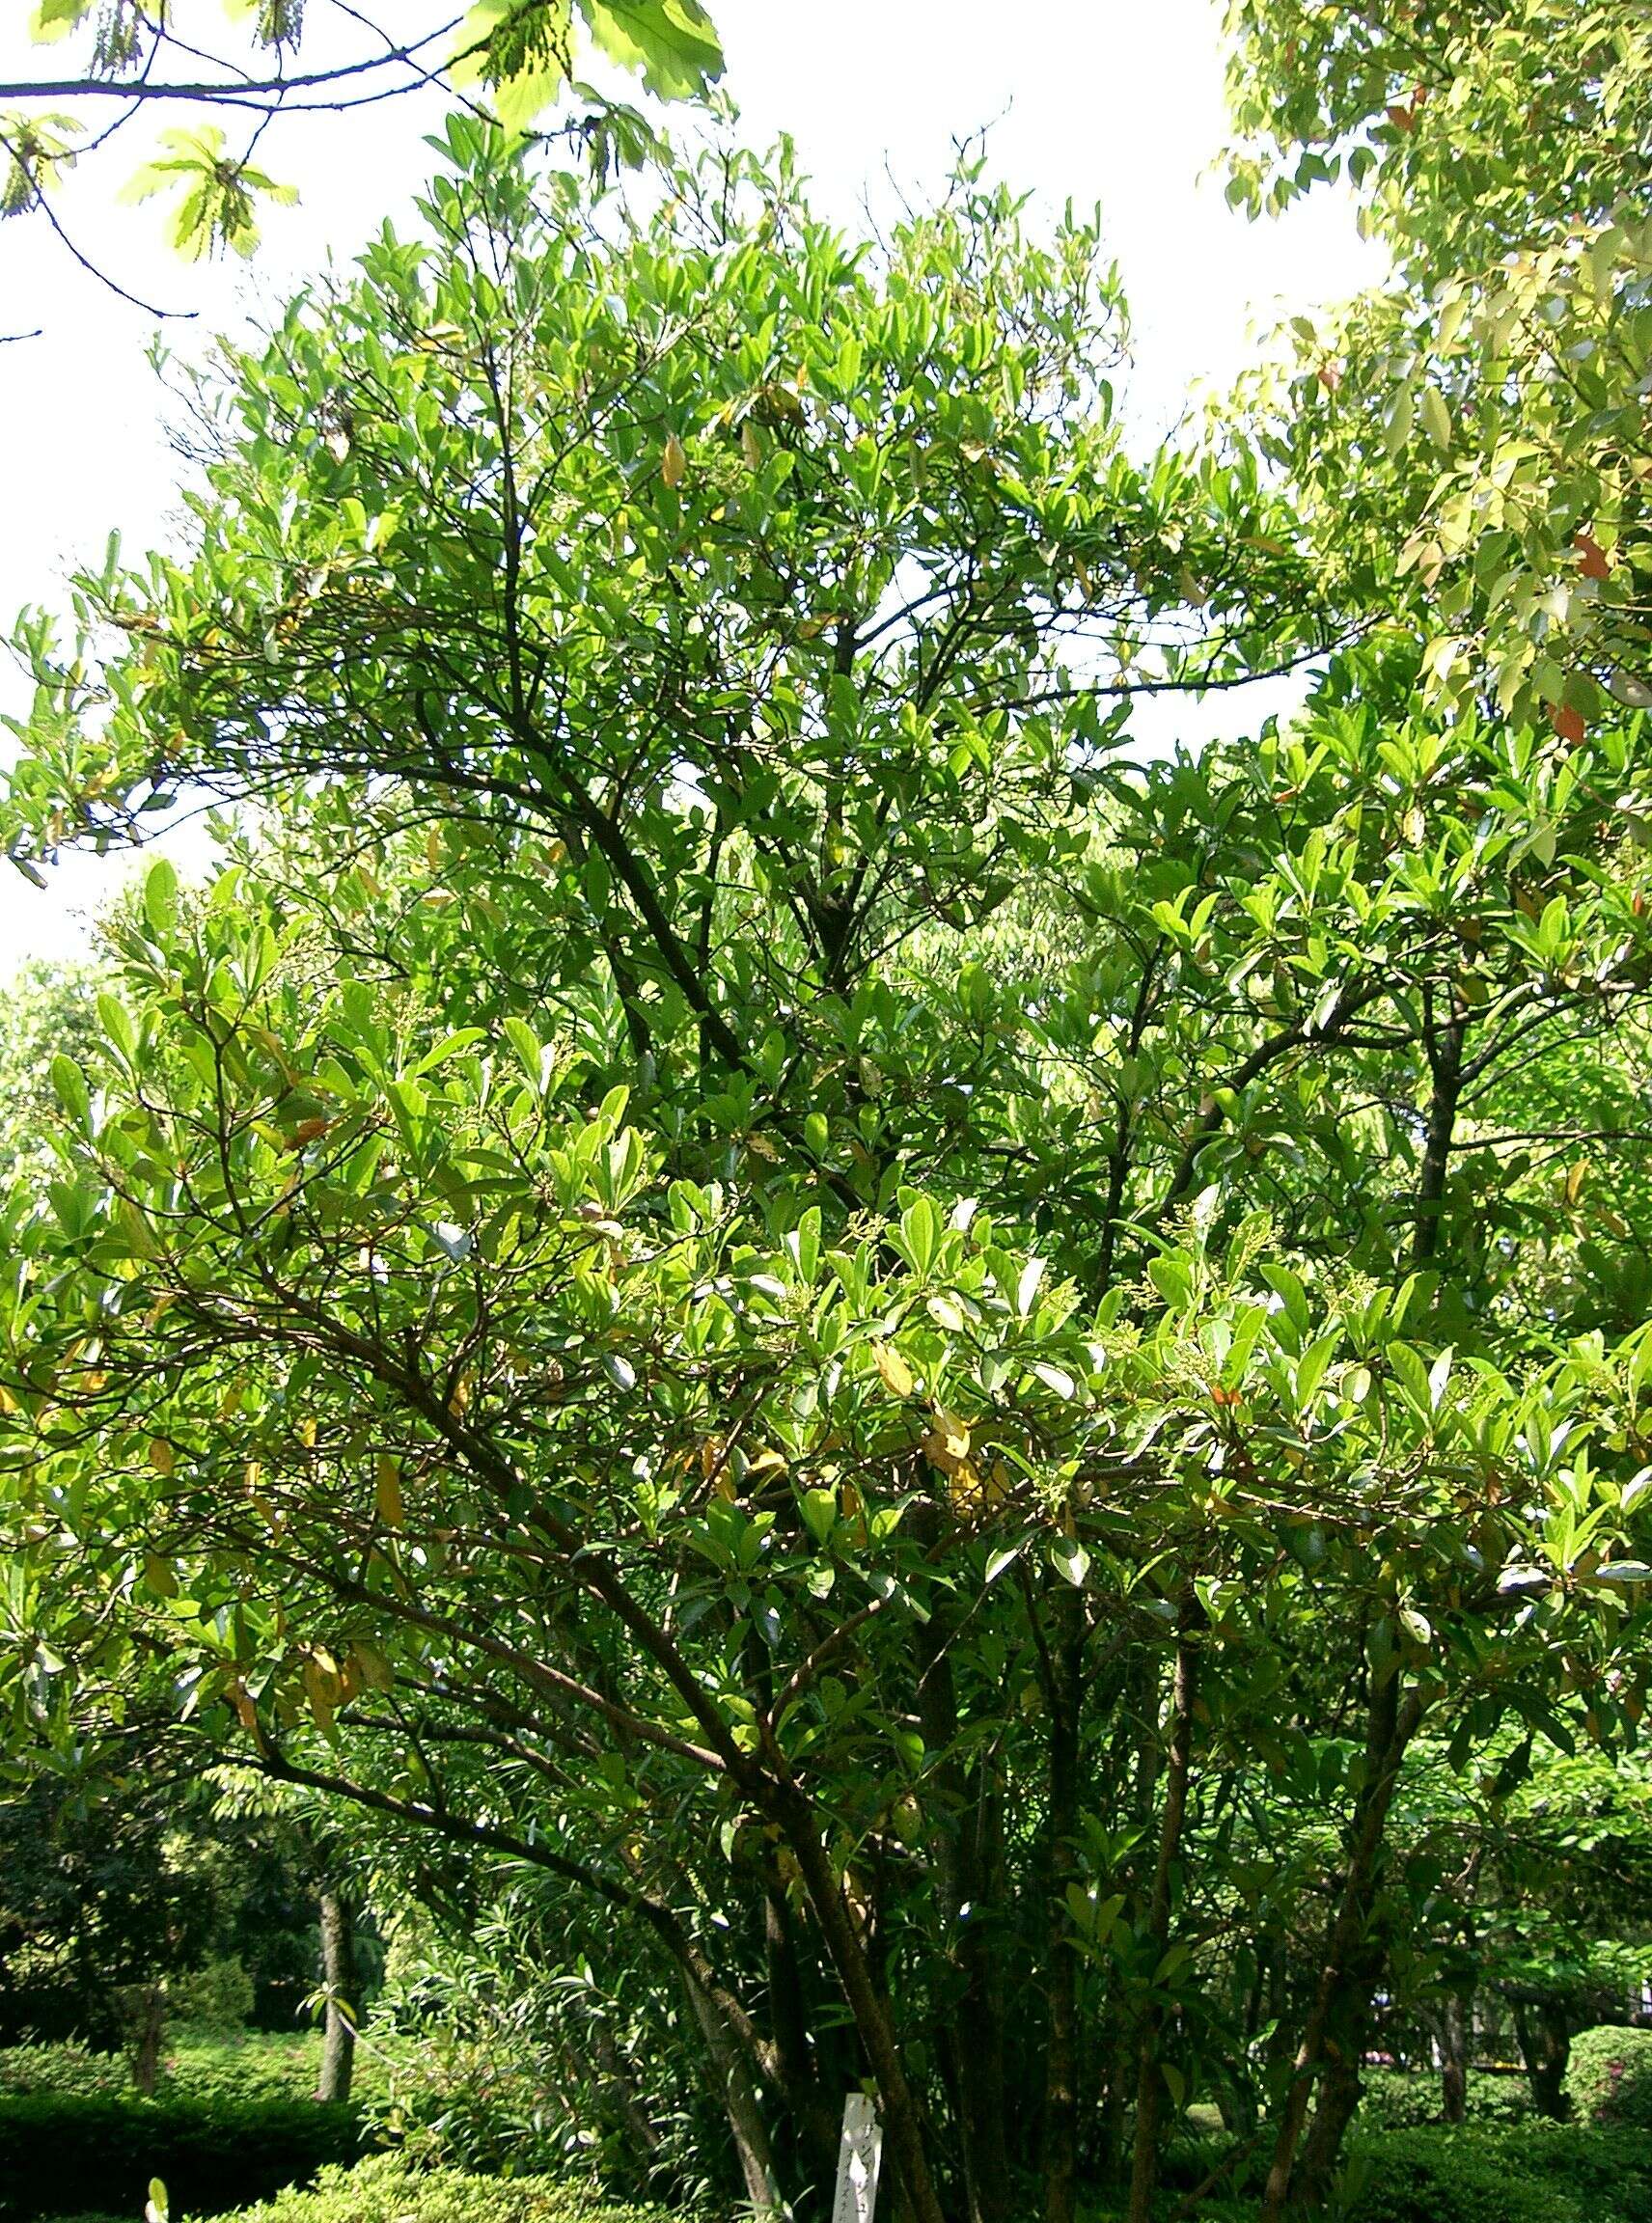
x: 1609, y: 2077
x: 67, y: 2154
x: 386, y: 2189
x: 1532, y: 2172
x: 196, y: 2064
x: 1537, y: 2173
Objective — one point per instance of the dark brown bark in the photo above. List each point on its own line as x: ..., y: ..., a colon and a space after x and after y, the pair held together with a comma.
x: 903, y: 2127
x: 1065, y: 1699
x: 1393, y: 1722
x: 964, y: 1856
x: 1454, y: 2024
x: 339, y: 1980
x: 1445, y: 1045
x: 1179, y: 1763
x: 146, y: 2034
x: 1338, y: 2096
x: 1544, y: 2029
x: 813, y: 2116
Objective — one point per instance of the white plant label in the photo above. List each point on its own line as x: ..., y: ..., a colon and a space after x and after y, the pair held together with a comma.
x: 858, y: 2162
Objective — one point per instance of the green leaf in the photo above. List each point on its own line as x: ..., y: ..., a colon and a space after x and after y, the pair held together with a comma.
x: 69, y: 1083
x: 160, y: 894
x: 1071, y: 1559
x: 53, y: 19
x: 1436, y: 417
x: 673, y: 43
x: 820, y: 1513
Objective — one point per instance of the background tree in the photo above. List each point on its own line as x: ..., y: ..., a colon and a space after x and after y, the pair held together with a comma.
x: 1500, y: 151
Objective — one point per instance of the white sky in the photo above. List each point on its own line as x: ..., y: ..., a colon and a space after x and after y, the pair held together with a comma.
x: 1109, y: 101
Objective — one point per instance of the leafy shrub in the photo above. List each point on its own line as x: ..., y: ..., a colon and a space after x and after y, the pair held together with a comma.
x: 251, y: 2065
x: 65, y: 2066
x: 64, y: 2153
x: 217, y: 1997
x: 1405, y: 2099
x: 1609, y: 2078
x: 1534, y: 2173
x: 461, y: 2105
x: 387, y: 2189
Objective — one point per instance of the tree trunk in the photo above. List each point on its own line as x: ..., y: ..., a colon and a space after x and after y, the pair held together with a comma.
x: 622, y: 2088
x: 1445, y: 1044
x: 145, y: 2034
x: 1149, y: 2080
x: 965, y: 1858
x: 1392, y: 1726
x: 1334, y: 2109
x: 814, y: 2118
x: 1454, y: 2026
x: 1545, y: 2034
x: 731, y: 2078
x: 790, y: 1808
x: 1064, y: 1697
x: 338, y: 1978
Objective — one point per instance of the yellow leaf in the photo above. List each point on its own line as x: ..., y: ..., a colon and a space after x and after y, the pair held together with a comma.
x: 673, y: 464
x: 897, y: 1373
x: 321, y: 1688
x: 370, y: 1667
x: 388, y: 1492
x: 947, y: 1444
x: 966, y: 1489
x: 160, y: 1455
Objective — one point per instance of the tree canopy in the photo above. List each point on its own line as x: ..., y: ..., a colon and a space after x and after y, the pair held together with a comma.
x: 973, y: 1404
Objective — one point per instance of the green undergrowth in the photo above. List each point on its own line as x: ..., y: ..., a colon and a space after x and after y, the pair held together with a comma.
x: 386, y: 2189
x: 253, y: 2065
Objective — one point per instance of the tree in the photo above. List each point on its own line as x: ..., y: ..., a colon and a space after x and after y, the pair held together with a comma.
x: 738, y: 1269
x: 1499, y: 152
x: 132, y: 59
x: 46, y: 1012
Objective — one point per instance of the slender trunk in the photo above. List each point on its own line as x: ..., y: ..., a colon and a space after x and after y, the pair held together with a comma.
x: 1446, y: 1065
x: 1393, y: 1723
x: 1149, y: 2080
x: 813, y: 2117
x: 1065, y: 1698
x: 966, y: 1865
x: 338, y: 1979
x: 985, y: 2106
x: 1455, y: 2023
x: 1333, y: 2109
x: 735, y: 2087
x: 1545, y: 2034
x: 622, y: 2089
x: 1110, y: 2126
x: 1130, y: 1768
x: 145, y: 2034
x: 790, y: 1808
